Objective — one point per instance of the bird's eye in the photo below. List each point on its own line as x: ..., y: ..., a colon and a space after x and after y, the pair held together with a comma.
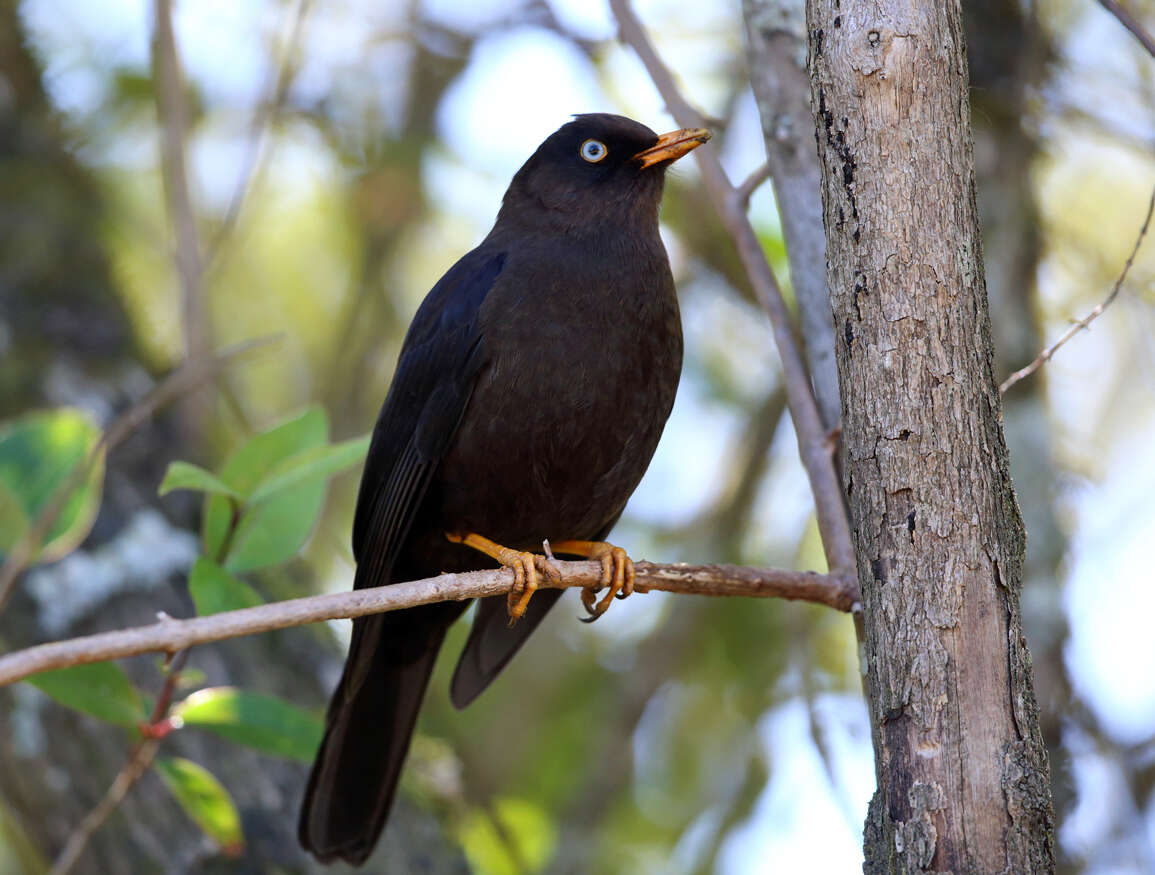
x: 593, y: 151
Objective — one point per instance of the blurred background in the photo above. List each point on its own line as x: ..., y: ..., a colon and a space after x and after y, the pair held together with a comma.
x: 337, y: 158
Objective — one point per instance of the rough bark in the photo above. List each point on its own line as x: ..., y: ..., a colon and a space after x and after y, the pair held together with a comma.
x: 962, y: 772
x: 1008, y: 59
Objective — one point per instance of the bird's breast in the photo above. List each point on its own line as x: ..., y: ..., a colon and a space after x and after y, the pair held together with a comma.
x: 582, y: 365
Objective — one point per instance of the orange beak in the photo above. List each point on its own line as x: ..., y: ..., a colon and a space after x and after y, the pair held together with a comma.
x: 672, y: 146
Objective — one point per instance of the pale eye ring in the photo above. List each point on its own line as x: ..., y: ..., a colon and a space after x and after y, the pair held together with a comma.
x: 593, y: 151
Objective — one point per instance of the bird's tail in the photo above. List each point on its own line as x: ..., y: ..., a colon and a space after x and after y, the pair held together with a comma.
x: 368, y: 729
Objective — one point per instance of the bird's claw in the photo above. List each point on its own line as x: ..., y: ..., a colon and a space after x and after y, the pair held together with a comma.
x: 617, y: 573
x: 526, y: 567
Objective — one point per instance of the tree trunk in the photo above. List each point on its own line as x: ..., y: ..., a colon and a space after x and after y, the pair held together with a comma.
x: 962, y: 772
x: 1008, y: 60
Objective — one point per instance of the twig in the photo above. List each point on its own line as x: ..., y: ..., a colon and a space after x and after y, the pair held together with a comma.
x: 751, y: 184
x: 187, y: 377
x: 255, y: 156
x: 1081, y: 324
x: 812, y: 436
x: 509, y: 842
x: 172, y: 678
x: 170, y: 636
x: 172, y: 111
x: 138, y: 762
x: 1128, y: 21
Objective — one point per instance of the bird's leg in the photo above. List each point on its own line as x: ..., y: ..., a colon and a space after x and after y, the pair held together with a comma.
x: 525, y: 569
x: 617, y: 573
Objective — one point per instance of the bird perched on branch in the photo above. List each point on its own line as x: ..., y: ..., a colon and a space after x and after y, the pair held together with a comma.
x: 530, y: 393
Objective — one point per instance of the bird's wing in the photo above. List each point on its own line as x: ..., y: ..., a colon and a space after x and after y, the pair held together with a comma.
x: 493, y: 643
x: 373, y: 711
x: 431, y: 387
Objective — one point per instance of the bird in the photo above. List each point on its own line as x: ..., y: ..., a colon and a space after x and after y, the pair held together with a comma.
x: 531, y: 389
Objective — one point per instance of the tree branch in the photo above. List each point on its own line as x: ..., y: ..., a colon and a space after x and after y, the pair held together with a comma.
x: 776, y: 58
x: 812, y: 436
x: 256, y: 156
x: 752, y: 183
x: 143, y: 753
x: 1128, y: 21
x: 172, y: 113
x: 169, y: 635
x: 138, y: 762
x: 1081, y: 324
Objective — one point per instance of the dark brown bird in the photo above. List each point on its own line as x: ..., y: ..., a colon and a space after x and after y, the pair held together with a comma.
x: 530, y: 393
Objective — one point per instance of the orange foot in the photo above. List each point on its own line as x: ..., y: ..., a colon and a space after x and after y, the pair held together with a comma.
x: 617, y: 573
x: 525, y: 569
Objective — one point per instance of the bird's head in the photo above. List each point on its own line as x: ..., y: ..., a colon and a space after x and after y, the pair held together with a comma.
x: 596, y: 169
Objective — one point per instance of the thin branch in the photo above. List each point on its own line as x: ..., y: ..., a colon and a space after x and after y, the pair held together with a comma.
x: 164, y: 700
x: 187, y: 377
x: 172, y: 111
x: 813, y: 446
x: 751, y: 184
x: 1081, y: 324
x: 256, y: 157
x: 1128, y: 21
x: 176, y: 385
x: 170, y: 636
x: 138, y: 762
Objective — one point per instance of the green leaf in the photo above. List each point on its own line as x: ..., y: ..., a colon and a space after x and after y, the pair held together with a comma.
x: 317, y: 463
x: 214, y: 590
x: 205, y: 801
x: 101, y: 689
x: 185, y: 475
x: 274, y: 530
x: 524, y: 825
x: 255, y: 720
x: 13, y: 519
x: 263, y: 452
x: 40, y: 454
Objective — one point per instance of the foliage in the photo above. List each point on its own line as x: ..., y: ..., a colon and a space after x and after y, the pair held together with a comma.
x: 101, y: 690
x: 48, y: 457
x: 262, y: 722
x: 258, y: 511
x: 205, y: 800
x: 509, y: 837
x: 214, y: 590
x: 274, y: 486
